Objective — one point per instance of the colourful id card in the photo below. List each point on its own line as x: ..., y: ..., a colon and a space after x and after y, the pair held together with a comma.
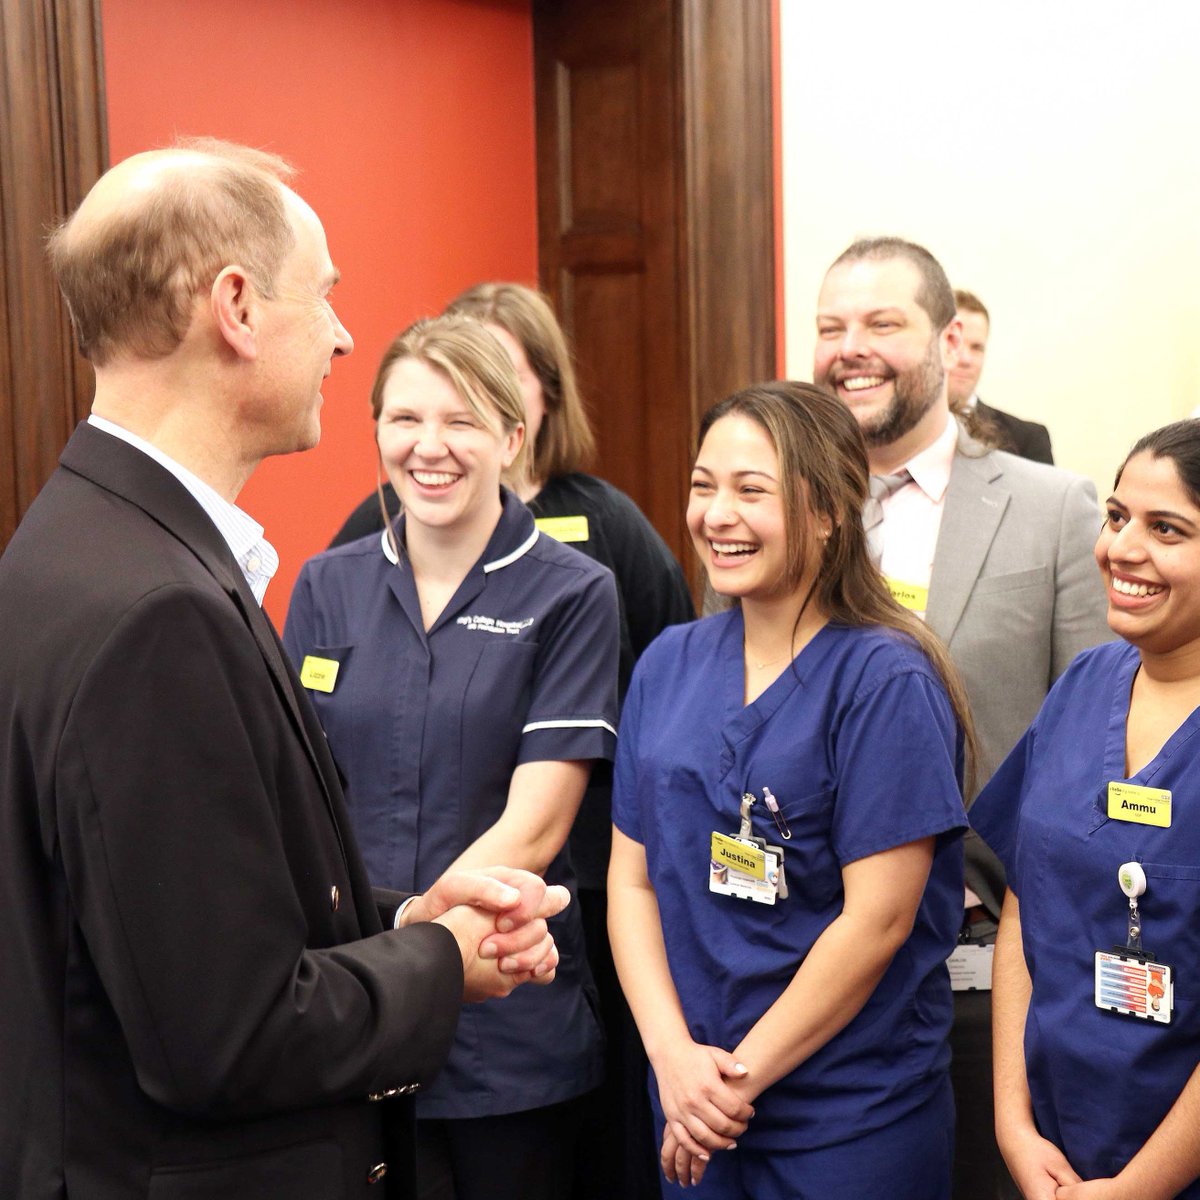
x: 1134, y: 986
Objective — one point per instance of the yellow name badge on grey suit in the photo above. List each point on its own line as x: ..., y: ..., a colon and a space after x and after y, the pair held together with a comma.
x: 319, y: 674
x: 1142, y: 805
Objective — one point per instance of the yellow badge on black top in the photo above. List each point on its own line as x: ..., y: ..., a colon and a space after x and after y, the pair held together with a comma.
x: 565, y: 529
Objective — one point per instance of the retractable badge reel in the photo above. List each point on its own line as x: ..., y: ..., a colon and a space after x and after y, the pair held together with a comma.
x: 1129, y: 979
x: 745, y: 866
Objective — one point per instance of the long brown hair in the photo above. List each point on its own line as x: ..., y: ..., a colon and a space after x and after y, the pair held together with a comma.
x: 565, y: 441
x: 818, y: 442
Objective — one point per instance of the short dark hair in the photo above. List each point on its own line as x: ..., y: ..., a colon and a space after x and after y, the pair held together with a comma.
x: 1180, y: 442
x: 969, y: 302
x: 934, y: 293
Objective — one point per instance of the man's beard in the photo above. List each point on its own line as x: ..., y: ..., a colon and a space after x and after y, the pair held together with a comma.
x: 914, y: 392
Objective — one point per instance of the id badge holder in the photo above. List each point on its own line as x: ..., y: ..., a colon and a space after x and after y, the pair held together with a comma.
x: 744, y: 866
x: 970, y: 967
x: 1129, y: 979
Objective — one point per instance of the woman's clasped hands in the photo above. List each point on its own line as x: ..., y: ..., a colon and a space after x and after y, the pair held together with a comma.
x: 704, y: 1094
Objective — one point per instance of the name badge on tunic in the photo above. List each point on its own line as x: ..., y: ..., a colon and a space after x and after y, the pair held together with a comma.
x: 564, y: 529
x: 1128, y: 979
x: 970, y: 968
x: 319, y: 674
x: 909, y: 595
x: 1142, y: 805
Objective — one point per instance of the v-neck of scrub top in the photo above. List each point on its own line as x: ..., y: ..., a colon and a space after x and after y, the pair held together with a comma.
x: 1115, y: 736
x: 514, y: 535
x: 741, y: 719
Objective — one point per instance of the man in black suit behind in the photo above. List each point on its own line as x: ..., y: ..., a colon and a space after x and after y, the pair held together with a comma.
x: 198, y: 998
x: 1026, y: 438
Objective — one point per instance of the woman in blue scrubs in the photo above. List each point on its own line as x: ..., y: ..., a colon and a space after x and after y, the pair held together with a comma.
x: 464, y: 668
x: 795, y: 1014
x: 1096, y: 1094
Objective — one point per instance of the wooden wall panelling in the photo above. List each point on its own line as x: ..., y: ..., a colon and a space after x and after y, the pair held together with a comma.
x: 52, y: 148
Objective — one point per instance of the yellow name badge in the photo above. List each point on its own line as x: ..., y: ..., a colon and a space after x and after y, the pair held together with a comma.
x: 319, y: 674
x: 1143, y: 805
x: 730, y: 852
x: 909, y: 595
x: 564, y: 529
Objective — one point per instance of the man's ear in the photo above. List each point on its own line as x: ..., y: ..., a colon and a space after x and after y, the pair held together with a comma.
x: 235, y: 309
x: 952, y: 340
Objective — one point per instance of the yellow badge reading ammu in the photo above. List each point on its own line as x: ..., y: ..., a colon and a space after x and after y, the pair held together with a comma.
x: 1142, y: 805
x: 912, y: 597
x: 564, y: 529
x: 731, y: 852
x: 319, y: 674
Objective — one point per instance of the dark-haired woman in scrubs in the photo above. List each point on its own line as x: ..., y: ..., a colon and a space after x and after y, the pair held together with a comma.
x: 464, y: 668
x: 786, y: 878
x: 1096, y: 983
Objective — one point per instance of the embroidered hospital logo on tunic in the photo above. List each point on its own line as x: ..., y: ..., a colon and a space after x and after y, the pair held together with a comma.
x: 493, y: 625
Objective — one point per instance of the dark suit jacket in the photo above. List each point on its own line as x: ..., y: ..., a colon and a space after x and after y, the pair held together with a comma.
x: 1026, y: 438
x: 191, y: 1006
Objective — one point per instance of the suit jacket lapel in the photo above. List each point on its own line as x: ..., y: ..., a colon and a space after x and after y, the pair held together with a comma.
x: 127, y: 472
x: 975, y: 504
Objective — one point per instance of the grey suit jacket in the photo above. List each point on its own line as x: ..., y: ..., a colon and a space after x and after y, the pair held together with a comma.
x: 1015, y: 594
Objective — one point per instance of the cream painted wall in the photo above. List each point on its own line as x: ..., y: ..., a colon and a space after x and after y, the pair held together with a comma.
x: 1047, y: 153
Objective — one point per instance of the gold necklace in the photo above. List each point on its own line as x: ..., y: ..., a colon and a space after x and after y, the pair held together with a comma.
x: 758, y: 666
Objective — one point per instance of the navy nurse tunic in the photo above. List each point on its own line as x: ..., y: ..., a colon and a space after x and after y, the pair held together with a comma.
x: 1100, y: 1083
x: 859, y: 745
x: 427, y: 729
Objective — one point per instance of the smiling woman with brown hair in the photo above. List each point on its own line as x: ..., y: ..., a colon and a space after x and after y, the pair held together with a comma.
x: 786, y: 878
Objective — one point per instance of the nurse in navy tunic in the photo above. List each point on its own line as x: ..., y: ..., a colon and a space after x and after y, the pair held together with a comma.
x: 1102, y: 1100
x: 795, y: 1014
x: 464, y: 668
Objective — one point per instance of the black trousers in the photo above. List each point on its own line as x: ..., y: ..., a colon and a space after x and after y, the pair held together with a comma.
x: 618, y: 1116
x: 516, y: 1156
x: 979, y: 1170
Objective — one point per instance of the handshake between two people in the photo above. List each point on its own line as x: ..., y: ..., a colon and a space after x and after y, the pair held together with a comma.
x: 498, y: 917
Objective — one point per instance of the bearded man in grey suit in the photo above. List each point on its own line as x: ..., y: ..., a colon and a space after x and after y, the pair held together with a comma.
x: 993, y: 551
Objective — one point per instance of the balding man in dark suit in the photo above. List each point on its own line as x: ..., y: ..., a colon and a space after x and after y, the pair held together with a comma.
x: 199, y: 998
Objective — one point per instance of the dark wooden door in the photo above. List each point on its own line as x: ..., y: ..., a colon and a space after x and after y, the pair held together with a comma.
x: 656, y: 238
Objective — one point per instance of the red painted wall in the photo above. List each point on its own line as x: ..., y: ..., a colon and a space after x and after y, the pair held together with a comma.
x: 412, y: 124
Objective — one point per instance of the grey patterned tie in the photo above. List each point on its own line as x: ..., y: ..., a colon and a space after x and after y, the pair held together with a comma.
x: 881, y: 487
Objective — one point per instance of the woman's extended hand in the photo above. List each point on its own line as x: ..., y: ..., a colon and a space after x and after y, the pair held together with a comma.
x: 703, y: 1112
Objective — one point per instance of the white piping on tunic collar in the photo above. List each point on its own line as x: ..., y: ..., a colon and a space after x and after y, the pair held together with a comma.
x: 524, y: 548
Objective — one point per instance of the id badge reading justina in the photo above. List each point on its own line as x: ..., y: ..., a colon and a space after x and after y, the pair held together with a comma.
x: 745, y: 866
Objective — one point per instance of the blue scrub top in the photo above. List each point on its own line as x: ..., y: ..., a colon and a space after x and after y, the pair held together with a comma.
x: 427, y: 729
x: 858, y: 743
x: 1100, y: 1082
